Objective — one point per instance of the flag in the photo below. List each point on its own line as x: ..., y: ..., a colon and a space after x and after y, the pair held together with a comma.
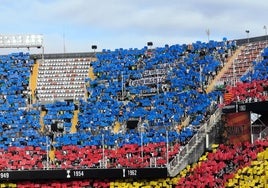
x: 228, y: 97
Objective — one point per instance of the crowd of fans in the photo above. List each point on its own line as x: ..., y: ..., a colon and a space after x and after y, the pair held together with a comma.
x: 19, y: 126
x: 253, y: 84
x: 246, y: 92
x: 236, y: 165
x: 253, y: 175
x: 222, y: 165
x: 158, y: 88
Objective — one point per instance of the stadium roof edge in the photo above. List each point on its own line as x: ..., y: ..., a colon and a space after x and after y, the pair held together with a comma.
x: 250, y: 39
x: 64, y: 55
x: 92, y: 54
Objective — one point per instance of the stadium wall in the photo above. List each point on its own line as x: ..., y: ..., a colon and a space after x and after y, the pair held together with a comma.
x: 74, y: 174
x: 236, y: 127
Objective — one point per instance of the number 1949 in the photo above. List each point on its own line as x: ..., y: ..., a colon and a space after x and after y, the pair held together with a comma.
x: 4, y: 175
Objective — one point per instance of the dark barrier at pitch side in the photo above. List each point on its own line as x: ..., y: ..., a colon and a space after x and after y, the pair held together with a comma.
x: 119, y: 173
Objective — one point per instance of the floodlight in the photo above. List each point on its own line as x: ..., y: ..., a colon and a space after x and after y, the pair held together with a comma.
x: 149, y: 43
x: 94, y: 47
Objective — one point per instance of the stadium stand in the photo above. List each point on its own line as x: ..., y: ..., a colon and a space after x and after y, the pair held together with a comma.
x: 243, y: 62
x: 132, y: 108
x: 62, y: 79
x: 222, y: 165
x: 149, y: 85
x: 253, y: 175
x: 254, y: 91
x: 253, y: 85
x: 143, y: 72
x: 22, y: 146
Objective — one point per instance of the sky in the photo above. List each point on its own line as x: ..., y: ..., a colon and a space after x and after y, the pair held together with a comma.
x: 75, y: 25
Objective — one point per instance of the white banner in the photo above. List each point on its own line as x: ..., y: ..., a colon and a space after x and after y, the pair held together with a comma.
x: 21, y: 41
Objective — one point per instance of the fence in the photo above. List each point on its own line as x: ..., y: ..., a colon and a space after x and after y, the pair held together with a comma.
x: 195, y: 148
x: 264, y: 133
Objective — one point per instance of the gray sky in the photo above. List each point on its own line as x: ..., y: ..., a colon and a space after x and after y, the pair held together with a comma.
x: 127, y: 24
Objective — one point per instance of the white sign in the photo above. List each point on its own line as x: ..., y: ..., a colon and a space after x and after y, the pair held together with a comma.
x: 21, y: 41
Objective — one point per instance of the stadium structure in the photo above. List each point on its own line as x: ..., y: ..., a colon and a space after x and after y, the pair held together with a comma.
x: 184, y: 115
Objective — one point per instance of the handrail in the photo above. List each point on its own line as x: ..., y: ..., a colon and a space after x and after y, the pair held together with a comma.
x: 264, y: 133
x: 178, y: 162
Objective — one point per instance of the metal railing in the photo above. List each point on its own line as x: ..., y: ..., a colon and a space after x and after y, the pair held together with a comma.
x: 196, y: 143
x: 264, y: 133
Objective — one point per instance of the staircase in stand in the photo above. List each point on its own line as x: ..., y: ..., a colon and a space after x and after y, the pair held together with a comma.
x: 226, y: 67
x: 42, y: 115
x: 74, y: 121
x: 117, y: 127
x: 33, y: 80
x: 91, y: 73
